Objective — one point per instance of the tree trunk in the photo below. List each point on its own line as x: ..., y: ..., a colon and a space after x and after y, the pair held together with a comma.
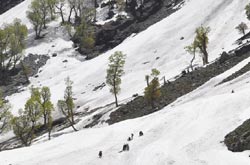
x: 116, y: 100
x: 72, y: 125
x: 25, y: 72
x: 45, y: 120
x: 191, y: 63
x: 49, y: 134
x: 205, y: 57
x: 61, y: 13
x: 72, y: 121
x: 70, y: 13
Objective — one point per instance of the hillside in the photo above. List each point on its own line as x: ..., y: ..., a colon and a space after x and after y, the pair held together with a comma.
x: 190, y: 130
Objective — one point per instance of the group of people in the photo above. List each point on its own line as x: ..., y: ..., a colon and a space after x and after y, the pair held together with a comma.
x: 125, y: 147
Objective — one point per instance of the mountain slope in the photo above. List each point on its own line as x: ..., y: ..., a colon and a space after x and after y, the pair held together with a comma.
x: 188, y: 131
x: 161, y: 40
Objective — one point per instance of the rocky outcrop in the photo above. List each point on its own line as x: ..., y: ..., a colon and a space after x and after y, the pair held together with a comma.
x: 17, y: 78
x: 239, y: 139
x: 8, y: 4
x: 113, y: 33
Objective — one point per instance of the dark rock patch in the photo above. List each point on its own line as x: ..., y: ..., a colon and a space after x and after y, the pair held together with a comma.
x: 224, y: 57
x: 54, y: 54
x: 239, y: 139
x: 240, y: 72
x: 99, y: 87
x: 18, y: 78
x: 8, y: 4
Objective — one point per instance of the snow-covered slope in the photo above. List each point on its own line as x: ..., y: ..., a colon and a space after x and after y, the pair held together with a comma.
x: 187, y: 132
x: 160, y: 40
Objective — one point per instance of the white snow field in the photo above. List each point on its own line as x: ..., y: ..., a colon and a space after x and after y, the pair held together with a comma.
x: 187, y: 132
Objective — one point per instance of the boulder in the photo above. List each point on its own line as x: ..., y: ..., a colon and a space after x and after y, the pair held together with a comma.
x: 239, y: 139
x: 224, y: 57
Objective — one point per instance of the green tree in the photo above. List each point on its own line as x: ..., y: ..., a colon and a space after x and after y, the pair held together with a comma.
x: 60, y: 5
x: 67, y: 105
x: 12, y: 44
x: 35, y: 17
x: 72, y: 8
x: 191, y: 49
x: 42, y: 98
x: 201, y: 41
x: 33, y: 111
x: 114, y: 73
x: 51, y: 5
x: 39, y: 15
x: 247, y: 10
x: 45, y: 12
x: 5, y: 116
x: 19, y: 33
x: 242, y: 27
x: 4, y: 42
x: 120, y: 6
x: 152, y: 91
x: 22, y: 129
x: 25, y: 125
x: 85, y: 35
x: 46, y: 105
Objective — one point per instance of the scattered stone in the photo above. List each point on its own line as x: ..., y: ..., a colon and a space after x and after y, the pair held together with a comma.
x: 224, y: 57
x: 64, y: 61
x: 125, y: 147
x: 132, y: 136
x: 157, y: 58
x: 111, y: 14
x: 145, y: 62
x: 100, y: 154
x: 182, y: 38
x: 183, y: 73
x: 141, y: 133
x: 54, y: 54
x: 135, y: 95
x: 99, y: 87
